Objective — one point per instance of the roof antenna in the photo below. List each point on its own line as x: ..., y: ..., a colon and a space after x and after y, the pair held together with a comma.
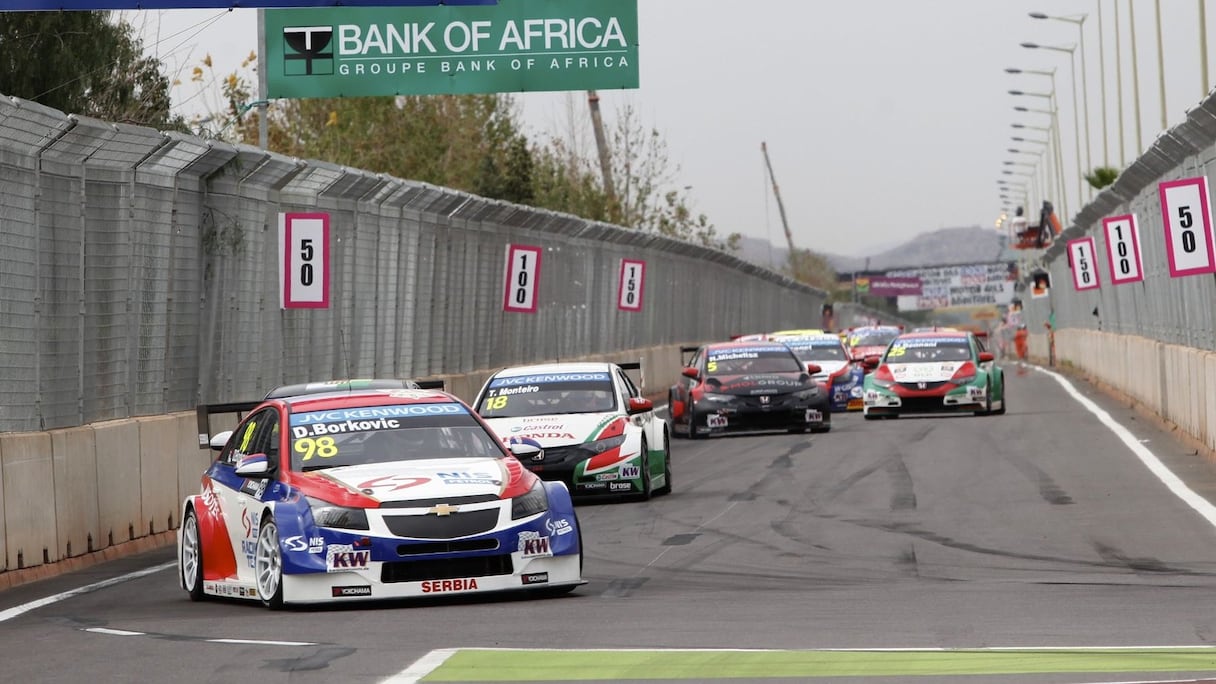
x: 342, y: 348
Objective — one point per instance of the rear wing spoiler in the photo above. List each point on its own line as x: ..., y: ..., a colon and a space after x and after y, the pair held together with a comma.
x: 637, y: 366
x: 203, y: 412
x: 686, y: 354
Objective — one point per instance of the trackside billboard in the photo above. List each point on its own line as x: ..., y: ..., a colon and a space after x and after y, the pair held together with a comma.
x: 515, y: 46
x: 67, y: 5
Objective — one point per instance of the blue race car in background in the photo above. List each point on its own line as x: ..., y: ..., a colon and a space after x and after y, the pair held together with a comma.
x: 840, y: 376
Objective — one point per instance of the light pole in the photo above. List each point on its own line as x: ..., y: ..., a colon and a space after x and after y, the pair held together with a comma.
x: 1119, y: 83
x: 1055, y: 131
x: 1161, y: 69
x: 1203, y: 48
x: 1102, y: 89
x: 1079, y: 21
x: 1131, y: 27
x: 1076, y: 125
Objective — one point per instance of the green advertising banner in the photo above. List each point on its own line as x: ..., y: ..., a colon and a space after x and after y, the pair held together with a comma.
x: 514, y: 46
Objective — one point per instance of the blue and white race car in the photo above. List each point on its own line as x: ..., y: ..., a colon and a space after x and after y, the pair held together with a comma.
x: 839, y: 374
x: 343, y: 493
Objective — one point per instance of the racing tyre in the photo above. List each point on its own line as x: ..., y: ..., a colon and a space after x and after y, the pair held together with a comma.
x: 190, y: 562
x: 666, y: 488
x: 1004, y: 398
x: 554, y: 592
x: 691, y: 410
x: 647, y: 489
x: 268, y: 565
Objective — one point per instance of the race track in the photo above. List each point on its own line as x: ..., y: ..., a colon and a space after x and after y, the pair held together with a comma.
x: 1040, y: 530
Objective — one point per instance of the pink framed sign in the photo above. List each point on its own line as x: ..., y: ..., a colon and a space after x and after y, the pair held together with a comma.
x: 1123, y: 249
x: 522, y: 279
x: 304, y: 258
x: 1187, y: 218
x: 631, y: 285
x: 1084, y: 263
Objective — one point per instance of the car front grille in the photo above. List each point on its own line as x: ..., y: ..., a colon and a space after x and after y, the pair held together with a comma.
x: 448, y: 568
x: 456, y: 546
x: 459, y: 524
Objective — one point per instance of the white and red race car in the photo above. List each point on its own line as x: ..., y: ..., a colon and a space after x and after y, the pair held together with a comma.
x: 595, y: 430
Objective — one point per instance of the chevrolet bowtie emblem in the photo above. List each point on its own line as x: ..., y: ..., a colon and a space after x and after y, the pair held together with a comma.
x: 443, y: 509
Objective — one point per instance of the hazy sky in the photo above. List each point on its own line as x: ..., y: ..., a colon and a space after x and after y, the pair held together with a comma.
x: 883, y: 118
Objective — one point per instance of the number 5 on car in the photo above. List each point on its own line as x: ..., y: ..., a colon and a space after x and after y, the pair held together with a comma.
x: 1187, y: 218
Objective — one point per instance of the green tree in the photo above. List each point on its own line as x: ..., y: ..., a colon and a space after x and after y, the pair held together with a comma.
x: 83, y: 63
x: 1102, y: 176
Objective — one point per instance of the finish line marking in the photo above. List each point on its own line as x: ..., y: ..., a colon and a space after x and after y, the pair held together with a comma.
x: 525, y: 664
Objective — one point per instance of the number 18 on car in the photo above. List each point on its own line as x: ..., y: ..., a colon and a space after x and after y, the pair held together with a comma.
x: 1187, y: 218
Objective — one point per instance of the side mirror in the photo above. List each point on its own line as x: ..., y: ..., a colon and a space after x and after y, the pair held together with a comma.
x: 639, y: 405
x: 253, y: 466
x: 690, y: 372
x: 525, y: 451
x: 813, y: 368
x: 872, y: 361
x: 218, y: 441
x: 985, y: 357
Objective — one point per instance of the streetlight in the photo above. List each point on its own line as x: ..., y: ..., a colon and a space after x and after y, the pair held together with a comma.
x: 1053, y: 134
x: 1079, y: 21
x: 1076, y: 126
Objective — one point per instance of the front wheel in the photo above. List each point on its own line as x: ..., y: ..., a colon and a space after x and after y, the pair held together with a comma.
x: 666, y: 488
x: 268, y: 565
x: 190, y: 560
x: 647, y: 486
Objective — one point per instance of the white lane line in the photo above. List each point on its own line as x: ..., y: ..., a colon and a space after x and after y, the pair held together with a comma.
x: 260, y: 642
x: 114, y: 632
x: 1150, y: 460
x: 13, y: 612
x: 421, y: 667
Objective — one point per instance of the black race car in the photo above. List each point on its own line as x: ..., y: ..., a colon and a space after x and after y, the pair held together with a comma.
x: 746, y: 386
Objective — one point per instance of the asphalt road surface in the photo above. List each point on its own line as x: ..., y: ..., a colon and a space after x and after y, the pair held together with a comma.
x: 1024, y: 545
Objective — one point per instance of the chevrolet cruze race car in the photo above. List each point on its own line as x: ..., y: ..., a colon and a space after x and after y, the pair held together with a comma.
x: 342, y: 493
x: 839, y: 375
x: 745, y: 386
x: 934, y: 372
x: 594, y: 430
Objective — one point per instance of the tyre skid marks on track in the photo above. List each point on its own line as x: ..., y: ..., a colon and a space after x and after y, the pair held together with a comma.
x: 1048, y: 489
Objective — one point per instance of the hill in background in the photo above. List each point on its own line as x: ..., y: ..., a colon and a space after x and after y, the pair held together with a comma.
x: 971, y: 245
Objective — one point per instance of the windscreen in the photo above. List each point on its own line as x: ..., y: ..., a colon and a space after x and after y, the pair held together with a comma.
x: 546, y: 394
x: 929, y: 350
x: 752, y: 360
x: 382, y: 434
x: 818, y: 350
x: 872, y: 338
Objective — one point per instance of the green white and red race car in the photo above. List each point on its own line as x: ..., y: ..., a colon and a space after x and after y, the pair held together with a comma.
x: 595, y: 430
x: 934, y: 372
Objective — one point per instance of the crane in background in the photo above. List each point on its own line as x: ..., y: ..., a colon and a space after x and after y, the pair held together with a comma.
x: 789, y: 238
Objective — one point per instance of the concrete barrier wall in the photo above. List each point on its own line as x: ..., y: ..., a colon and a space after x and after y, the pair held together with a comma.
x: 118, y: 482
x: 74, y: 451
x: 73, y: 491
x: 29, y: 499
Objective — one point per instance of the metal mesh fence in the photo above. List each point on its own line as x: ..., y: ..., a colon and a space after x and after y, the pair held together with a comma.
x: 140, y: 276
x: 1172, y: 310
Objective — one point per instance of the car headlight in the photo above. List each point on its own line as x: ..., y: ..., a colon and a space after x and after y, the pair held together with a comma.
x: 535, y: 501
x: 807, y: 393
x: 599, y: 446
x: 325, y: 514
x: 723, y: 398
